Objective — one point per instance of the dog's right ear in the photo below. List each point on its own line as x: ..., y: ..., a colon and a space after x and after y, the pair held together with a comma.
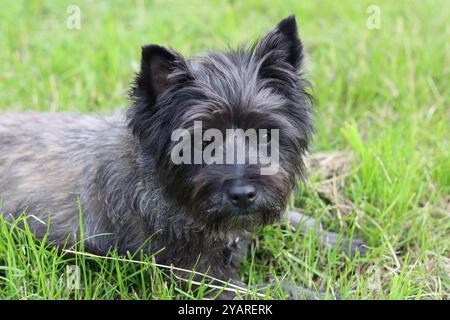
x: 161, y: 69
x: 158, y: 72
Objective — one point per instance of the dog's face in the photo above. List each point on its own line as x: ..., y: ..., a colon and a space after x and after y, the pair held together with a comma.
x: 256, y: 88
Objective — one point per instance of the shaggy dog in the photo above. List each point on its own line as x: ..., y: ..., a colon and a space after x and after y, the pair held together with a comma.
x: 119, y: 170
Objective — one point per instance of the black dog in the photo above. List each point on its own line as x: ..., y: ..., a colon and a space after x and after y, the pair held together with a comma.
x: 122, y: 172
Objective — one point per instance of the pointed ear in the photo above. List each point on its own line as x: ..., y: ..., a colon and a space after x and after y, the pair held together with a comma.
x: 282, y: 44
x: 157, y: 64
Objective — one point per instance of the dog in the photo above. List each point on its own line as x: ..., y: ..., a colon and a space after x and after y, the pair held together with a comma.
x: 118, y: 175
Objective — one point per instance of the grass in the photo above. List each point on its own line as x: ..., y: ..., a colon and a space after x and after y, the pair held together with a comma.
x: 380, y: 94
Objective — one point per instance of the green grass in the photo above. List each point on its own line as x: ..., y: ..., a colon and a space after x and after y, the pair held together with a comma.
x: 382, y: 94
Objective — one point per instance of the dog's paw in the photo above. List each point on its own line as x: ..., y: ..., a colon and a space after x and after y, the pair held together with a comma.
x: 348, y: 246
x: 358, y: 246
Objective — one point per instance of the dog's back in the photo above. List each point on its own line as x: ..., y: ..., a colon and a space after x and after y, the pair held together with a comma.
x: 47, y: 163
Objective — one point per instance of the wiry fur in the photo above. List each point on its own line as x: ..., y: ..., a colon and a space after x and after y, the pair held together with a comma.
x: 119, y: 167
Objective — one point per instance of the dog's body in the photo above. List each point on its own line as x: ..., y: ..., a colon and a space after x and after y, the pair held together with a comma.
x: 50, y: 161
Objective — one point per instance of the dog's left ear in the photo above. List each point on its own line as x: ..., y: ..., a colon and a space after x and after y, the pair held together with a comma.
x: 281, y: 44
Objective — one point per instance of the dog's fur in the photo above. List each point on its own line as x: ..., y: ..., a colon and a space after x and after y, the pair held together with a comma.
x: 119, y: 167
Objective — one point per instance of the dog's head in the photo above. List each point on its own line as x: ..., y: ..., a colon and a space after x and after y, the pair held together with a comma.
x: 183, y: 111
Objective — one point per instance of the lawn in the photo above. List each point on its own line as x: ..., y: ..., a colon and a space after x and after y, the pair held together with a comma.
x: 382, y: 100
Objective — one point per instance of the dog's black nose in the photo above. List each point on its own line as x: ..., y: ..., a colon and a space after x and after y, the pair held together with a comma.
x: 242, y: 195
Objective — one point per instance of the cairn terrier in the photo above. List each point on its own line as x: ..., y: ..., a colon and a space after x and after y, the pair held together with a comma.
x: 121, y: 171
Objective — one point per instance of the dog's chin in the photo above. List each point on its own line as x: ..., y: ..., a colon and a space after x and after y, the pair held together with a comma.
x: 236, y: 219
